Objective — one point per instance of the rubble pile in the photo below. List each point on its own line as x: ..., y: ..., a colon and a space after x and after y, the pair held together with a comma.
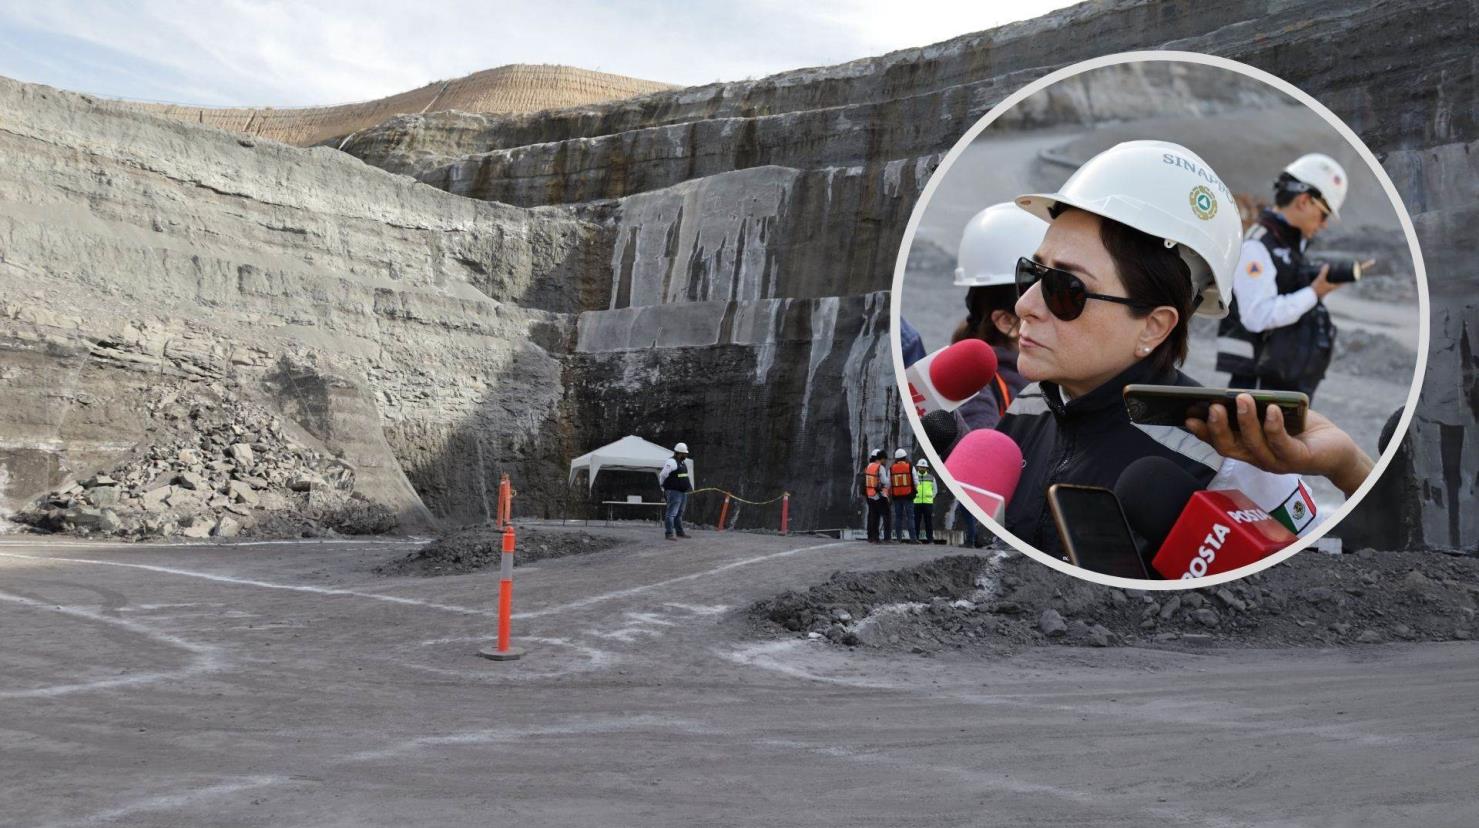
x: 480, y: 547
x: 1008, y: 602
x: 215, y: 465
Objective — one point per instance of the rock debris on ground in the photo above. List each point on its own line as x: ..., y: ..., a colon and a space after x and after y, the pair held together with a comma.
x: 213, y: 465
x: 481, y: 547
x: 1008, y: 602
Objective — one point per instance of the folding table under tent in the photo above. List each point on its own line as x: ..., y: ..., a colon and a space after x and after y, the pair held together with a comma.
x: 630, y: 453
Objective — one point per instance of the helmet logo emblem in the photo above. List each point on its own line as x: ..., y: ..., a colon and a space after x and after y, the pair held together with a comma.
x: 1203, y: 203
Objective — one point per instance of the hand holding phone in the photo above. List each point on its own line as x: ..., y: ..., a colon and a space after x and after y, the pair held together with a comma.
x: 1322, y: 448
x: 1173, y: 405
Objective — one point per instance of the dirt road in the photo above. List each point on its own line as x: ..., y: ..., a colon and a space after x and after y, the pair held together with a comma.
x: 285, y: 684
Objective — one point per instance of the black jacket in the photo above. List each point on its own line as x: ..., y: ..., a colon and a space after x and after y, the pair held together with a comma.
x: 1295, y: 352
x: 1088, y: 441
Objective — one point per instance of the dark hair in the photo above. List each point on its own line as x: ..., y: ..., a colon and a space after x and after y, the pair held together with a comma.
x: 1288, y: 188
x: 1154, y: 275
x: 980, y: 304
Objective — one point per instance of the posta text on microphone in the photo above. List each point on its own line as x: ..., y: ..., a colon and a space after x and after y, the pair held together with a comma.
x: 948, y: 377
x: 1217, y: 532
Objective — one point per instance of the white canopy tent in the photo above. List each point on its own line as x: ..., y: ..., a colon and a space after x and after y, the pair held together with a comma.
x: 630, y: 453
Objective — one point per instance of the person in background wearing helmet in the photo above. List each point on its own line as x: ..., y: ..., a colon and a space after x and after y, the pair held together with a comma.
x: 875, y: 492
x: 1140, y: 237
x: 924, y: 502
x: 986, y: 265
x: 901, y: 486
x: 1278, y: 333
x: 676, y: 483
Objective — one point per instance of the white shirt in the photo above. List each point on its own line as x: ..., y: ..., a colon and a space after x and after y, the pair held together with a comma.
x: 667, y: 468
x: 1260, y: 305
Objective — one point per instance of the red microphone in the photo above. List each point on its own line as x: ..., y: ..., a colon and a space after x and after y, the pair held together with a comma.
x: 1217, y: 532
x: 948, y: 377
x: 987, y: 465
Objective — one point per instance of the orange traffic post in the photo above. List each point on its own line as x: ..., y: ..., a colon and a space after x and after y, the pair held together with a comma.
x: 785, y: 513
x: 504, y: 652
x: 504, y: 502
x: 724, y: 512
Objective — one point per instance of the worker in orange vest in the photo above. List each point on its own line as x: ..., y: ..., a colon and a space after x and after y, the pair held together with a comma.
x: 901, y: 486
x: 875, y: 491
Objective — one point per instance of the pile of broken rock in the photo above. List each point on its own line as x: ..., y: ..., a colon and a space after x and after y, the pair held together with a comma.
x: 217, y: 466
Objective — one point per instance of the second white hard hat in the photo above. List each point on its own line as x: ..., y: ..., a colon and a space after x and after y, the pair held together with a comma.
x: 681, y: 448
x: 922, y: 464
x: 1324, y: 174
x: 1166, y: 191
x: 900, y: 454
x: 993, y: 241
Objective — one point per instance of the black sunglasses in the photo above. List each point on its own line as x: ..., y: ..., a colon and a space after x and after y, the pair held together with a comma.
x: 1064, y: 293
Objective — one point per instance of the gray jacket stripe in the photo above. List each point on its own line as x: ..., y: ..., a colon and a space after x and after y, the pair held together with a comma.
x: 1184, y: 443
x: 1029, y: 401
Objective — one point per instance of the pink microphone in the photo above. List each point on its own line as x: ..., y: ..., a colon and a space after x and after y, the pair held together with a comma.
x: 987, y: 465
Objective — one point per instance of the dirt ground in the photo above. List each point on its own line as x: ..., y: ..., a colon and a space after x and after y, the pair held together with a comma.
x: 264, y: 684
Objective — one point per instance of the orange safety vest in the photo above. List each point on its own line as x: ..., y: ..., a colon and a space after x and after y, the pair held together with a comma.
x: 1005, y: 393
x: 870, y: 478
x: 901, y: 476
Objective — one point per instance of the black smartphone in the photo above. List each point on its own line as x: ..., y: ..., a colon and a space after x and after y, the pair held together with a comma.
x: 1095, y: 534
x: 1173, y: 405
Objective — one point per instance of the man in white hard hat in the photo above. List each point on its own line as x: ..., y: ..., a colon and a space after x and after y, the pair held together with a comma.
x: 924, y: 502
x: 901, y: 486
x: 1279, y: 334
x: 875, y: 494
x: 676, y: 481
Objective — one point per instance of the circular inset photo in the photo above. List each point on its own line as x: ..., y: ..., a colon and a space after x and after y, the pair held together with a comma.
x: 1162, y: 320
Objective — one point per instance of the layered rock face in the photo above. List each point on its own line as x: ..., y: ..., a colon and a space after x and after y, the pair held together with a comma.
x: 868, y: 133
x: 707, y: 265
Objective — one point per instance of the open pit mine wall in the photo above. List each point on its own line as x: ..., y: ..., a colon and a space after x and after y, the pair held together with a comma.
x: 867, y: 133
x: 383, y: 318
x: 432, y: 341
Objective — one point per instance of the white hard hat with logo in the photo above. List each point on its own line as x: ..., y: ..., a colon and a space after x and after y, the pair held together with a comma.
x: 681, y: 448
x: 1164, y: 190
x: 994, y: 240
x: 922, y: 464
x: 1324, y: 174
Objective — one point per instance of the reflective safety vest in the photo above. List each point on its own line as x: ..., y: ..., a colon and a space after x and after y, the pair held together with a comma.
x: 901, y: 479
x: 926, y: 494
x: 870, y: 479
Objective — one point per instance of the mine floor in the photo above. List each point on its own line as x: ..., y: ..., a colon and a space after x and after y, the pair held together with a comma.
x: 287, y: 684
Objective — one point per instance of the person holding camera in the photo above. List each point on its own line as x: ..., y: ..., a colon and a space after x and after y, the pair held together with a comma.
x: 1278, y: 334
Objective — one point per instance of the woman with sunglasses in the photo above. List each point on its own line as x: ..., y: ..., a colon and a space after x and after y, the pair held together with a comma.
x: 1140, y: 237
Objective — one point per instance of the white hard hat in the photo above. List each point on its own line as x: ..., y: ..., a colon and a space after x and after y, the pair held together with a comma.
x: 681, y: 448
x: 923, y: 463
x: 1324, y: 174
x: 900, y: 454
x: 875, y: 453
x: 1164, y: 190
x: 994, y: 240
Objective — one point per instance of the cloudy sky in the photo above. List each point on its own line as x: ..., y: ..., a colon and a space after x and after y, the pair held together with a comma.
x: 278, y: 52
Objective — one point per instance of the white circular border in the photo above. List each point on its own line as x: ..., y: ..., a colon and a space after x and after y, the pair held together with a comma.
x: 895, y: 312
